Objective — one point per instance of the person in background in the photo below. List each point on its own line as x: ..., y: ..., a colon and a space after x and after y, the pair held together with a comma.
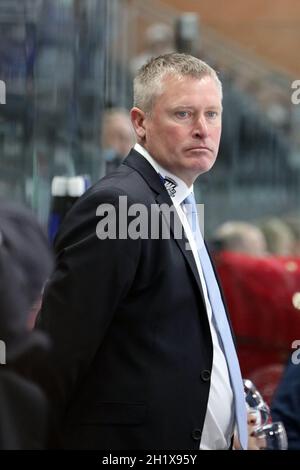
x: 285, y: 406
x: 159, y: 39
x: 25, y: 263
x: 293, y: 223
x: 117, y: 137
x: 239, y: 237
x: 142, y: 344
x: 262, y: 294
x: 279, y: 237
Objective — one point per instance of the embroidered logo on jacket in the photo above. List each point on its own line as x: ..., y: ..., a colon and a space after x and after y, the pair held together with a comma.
x: 170, y: 186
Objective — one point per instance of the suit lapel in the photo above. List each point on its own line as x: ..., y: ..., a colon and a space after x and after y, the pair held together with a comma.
x: 182, y: 242
x: 149, y: 174
x: 136, y: 161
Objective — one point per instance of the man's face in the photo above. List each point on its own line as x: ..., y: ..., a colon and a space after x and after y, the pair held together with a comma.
x: 183, y: 130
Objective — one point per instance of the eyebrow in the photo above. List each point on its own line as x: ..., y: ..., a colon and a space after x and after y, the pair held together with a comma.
x: 186, y: 106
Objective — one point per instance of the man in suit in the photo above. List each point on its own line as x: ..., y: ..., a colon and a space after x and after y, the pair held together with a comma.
x: 140, y: 363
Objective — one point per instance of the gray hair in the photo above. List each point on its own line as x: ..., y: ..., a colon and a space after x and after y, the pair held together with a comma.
x: 147, y: 84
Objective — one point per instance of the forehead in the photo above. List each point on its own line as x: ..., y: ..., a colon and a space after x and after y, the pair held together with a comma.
x: 190, y: 90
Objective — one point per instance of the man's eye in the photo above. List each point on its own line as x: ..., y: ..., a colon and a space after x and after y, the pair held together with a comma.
x: 212, y: 114
x: 182, y: 114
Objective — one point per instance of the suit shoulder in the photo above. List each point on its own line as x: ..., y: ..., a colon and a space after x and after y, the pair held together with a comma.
x: 125, y: 184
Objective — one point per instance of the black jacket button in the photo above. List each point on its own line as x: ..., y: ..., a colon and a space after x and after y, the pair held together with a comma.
x: 196, y: 434
x: 205, y: 375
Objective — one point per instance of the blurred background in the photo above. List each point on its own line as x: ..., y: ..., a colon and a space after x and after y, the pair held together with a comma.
x: 68, y: 68
x: 66, y: 62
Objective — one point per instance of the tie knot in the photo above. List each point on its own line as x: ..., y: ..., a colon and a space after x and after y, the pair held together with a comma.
x: 190, y: 199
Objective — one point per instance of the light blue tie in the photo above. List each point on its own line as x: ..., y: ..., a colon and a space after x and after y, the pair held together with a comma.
x: 220, y: 321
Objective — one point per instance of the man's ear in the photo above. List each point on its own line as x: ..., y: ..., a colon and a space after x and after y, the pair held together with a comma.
x: 138, y: 122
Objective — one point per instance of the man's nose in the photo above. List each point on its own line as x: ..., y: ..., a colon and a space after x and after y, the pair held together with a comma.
x: 200, y: 128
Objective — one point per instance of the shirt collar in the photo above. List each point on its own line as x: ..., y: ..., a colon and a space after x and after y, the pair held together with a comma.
x: 177, y: 189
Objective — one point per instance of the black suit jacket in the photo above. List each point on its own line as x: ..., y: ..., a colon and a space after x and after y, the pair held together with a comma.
x: 131, y: 339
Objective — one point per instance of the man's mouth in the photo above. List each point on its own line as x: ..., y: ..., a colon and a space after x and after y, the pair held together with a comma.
x: 199, y: 148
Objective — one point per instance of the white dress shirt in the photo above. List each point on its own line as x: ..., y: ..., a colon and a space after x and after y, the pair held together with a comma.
x: 219, y: 419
